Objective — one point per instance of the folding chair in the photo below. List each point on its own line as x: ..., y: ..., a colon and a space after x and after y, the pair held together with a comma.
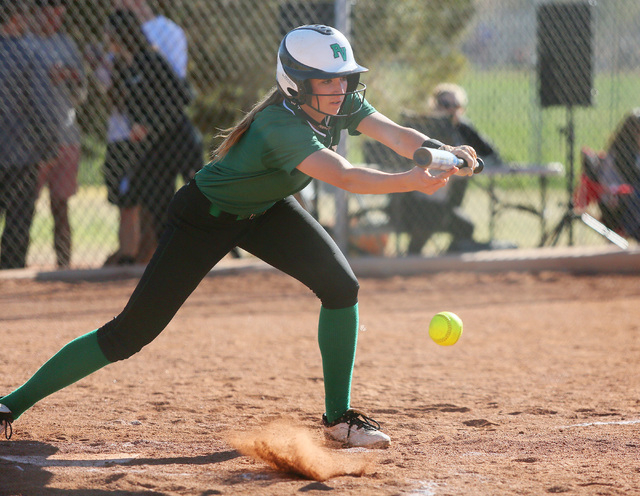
x: 599, y: 185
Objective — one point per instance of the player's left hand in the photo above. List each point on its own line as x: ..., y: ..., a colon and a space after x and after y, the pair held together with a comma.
x: 466, y: 153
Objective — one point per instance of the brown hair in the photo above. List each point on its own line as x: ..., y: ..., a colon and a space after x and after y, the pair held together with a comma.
x: 233, y: 134
x: 446, y: 94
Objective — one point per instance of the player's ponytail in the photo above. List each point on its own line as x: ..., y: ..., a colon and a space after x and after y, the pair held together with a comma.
x: 233, y: 134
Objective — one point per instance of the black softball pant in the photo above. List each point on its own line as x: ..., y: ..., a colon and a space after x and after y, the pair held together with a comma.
x: 286, y: 236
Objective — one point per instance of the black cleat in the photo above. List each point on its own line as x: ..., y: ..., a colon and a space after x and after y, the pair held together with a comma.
x: 6, y: 419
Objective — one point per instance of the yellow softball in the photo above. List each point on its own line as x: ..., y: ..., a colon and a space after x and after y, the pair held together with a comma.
x: 445, y: 328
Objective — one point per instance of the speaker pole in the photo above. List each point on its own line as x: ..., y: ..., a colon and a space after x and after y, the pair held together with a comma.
x: 570, y: 134
x: 569, y: 216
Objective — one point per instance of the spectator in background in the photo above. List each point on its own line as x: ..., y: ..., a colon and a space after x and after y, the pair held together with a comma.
x: 153, y: 99
x: 28, y: 132
x: 168, y: 38
x: 66, y: 71
x: 623, y: 160
x: 137, y: 240
x: 423, y: 215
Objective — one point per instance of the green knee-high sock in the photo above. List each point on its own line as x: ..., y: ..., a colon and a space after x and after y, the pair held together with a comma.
x: 75, y: 360
x: 338, y: 336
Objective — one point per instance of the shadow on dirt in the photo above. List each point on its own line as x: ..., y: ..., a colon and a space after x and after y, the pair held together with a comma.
x: 24, y: 468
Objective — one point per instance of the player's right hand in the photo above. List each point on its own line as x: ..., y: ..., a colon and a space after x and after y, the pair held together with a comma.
x: 468, y: 154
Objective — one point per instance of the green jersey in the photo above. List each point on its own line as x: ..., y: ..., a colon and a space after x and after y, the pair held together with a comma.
x: 260, y: 169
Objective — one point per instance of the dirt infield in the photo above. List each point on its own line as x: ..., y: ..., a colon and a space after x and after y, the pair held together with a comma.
x: 540, y: 395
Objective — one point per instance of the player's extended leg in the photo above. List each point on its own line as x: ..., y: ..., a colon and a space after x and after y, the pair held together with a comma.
x: 290, y: 239
x: 76, y: 360
x: 191, y: 245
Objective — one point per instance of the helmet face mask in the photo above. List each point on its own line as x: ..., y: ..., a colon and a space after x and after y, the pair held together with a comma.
x: 317, y: 52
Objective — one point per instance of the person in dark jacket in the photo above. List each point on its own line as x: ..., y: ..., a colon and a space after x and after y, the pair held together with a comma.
x: 154, y: 98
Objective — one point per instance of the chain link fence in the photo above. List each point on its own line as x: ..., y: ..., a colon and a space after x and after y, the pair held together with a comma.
x: 541, y: 83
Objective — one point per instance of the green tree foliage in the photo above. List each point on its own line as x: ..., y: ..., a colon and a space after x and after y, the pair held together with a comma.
x: 413, y: 43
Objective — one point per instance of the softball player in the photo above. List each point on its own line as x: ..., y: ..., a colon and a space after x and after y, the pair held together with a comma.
x: 243, y: 198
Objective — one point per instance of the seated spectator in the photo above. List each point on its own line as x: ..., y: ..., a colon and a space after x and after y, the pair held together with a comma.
x: 623, y: 156
x: 420, y: 215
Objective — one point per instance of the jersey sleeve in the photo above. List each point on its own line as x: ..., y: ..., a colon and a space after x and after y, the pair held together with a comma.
x: 288, y: 144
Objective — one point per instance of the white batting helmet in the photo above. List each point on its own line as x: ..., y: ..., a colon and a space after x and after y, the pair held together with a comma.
x: 316, y: 52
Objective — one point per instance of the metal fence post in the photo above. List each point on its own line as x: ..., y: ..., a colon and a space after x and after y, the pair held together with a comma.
x: 341, y: 233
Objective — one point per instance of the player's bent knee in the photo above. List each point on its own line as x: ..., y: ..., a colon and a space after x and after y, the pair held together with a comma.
x: 118, y: 343
x: 340, y: 294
